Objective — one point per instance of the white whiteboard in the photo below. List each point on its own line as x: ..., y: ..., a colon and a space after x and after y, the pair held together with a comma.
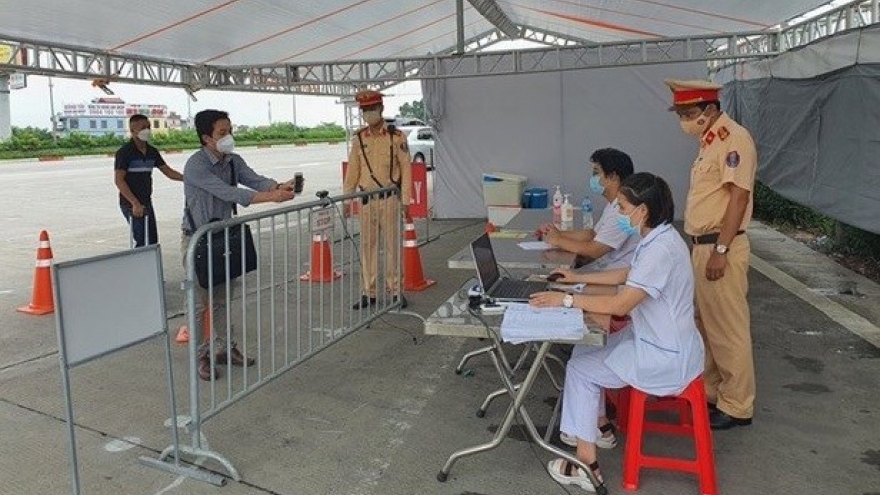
x: 108, y: 302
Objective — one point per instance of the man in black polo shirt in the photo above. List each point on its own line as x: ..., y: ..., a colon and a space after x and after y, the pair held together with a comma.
x: 134, y: 178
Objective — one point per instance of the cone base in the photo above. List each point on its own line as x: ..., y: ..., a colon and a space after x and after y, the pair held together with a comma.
x: 182, y: 335
x: 34, y: 310
x: 419, y: 286
x: 308, y: 277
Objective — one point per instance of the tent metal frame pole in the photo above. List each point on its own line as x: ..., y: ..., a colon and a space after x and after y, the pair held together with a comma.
x: 342, y: 78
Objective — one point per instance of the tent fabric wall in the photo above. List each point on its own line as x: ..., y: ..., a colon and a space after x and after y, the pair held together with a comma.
x: 817, y: 140
x: 545, y: 126
x: 816, y: 135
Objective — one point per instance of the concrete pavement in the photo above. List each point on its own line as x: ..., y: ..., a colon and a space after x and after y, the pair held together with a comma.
x: 379, y: 412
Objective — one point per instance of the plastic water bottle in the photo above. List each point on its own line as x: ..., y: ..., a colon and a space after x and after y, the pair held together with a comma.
x: 567, y: 214
x: 557, y: 206
x: 587, y: 212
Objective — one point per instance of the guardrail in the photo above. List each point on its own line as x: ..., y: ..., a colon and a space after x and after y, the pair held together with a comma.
x: 295, y: 303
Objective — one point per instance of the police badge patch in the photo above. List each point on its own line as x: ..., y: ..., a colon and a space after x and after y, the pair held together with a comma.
x: 732, y: 159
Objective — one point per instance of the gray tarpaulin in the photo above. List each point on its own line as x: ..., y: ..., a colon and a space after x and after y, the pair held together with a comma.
x: 545, y: 126
x: 818, y: 137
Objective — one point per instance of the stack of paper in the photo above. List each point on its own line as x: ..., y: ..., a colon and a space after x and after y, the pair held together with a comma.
x: 534, y: 245
x: 525, y: 323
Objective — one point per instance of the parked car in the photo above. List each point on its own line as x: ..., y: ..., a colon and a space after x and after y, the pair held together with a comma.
x: 403, y: 121
x: 420, y: 140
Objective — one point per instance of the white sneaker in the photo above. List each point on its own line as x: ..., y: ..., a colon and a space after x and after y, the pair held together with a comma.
x: 603, y: 441
x: 580, y: 479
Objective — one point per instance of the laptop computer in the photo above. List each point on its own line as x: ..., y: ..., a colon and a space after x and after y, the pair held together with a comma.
x: 494, y: 286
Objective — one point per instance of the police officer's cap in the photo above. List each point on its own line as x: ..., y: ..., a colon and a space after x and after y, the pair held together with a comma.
x: 686, y: 93
x: 368, y: 97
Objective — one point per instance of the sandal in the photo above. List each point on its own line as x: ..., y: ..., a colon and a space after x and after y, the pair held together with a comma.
x: 603, y: 441
x: 566, y: 473
x: 608, y: 441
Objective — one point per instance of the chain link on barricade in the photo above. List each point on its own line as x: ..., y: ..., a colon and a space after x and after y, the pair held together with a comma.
x: 268, y: 321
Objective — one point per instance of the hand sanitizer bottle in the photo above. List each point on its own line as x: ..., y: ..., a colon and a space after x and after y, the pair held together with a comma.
x: 557, y: 206
x: 587, y: 212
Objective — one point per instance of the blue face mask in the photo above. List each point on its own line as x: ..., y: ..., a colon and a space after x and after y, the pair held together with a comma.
x: 624, y: 223
x: 595, y: 185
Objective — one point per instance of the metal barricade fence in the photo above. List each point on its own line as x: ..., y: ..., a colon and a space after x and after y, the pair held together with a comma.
x: 281, y: 314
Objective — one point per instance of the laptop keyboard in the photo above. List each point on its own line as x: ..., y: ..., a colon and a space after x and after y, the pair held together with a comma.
x: 517, y: 289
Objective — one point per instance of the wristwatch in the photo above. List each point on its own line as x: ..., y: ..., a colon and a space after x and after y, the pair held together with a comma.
x: 721, y: 249
x: 568, y: 300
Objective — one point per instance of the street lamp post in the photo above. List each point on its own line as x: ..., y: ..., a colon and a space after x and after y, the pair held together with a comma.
x: 52, y: 107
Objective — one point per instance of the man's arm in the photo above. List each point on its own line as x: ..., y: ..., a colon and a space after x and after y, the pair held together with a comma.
x: 733, y: 217
x: 120, y: 171
x: 353, y: 173
x: 590, y: 249
x: 405, y: 162
x: 137, y: 209
x: 738, y: 173
x: 170, y: 172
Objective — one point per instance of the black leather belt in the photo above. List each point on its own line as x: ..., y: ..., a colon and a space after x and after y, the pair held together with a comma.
x: 709, y: 238
x: 382, y: 195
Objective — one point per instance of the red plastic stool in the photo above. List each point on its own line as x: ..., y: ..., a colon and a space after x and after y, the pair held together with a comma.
x: 620, y: 398
x: 704, y: 464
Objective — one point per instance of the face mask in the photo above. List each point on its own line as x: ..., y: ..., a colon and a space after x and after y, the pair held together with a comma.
x: 695, y: 127
x: 144, y: 135
x: 624, y: 223
x: 226, y: 144
x: 372, y: 117
x: 595, y: 185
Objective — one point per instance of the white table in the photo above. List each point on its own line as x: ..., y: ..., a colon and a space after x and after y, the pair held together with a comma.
x: 507, y: 251
x: 453, y: 318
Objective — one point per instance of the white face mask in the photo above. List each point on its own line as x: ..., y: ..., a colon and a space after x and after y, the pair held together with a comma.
x: 695, y: 127
x: 144, y: 135
x: 372, y: 117
x: 226, y: 144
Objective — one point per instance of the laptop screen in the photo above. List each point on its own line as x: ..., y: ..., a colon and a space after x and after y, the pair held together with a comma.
x: 484, y: 258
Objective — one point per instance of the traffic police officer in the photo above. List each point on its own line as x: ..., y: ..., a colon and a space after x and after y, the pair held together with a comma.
x: 379, y: 158
x: 718, y: 210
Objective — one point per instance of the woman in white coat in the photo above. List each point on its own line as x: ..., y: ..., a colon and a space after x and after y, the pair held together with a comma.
x: 661, y: 352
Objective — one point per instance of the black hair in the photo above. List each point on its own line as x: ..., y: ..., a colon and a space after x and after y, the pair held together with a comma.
x: 137, y: 117
x: 653, y: 192
x: 613, y: 162
x: 205, y: 121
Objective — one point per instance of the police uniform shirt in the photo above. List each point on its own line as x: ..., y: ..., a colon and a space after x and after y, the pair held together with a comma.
x: 727, y: 156
x: 380, y: 149
x: 663, y: 352
x: 609, y: 234
x: 138, y: 170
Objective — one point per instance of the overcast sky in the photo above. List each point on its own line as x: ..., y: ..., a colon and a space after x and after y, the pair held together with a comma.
x: 30, y: 106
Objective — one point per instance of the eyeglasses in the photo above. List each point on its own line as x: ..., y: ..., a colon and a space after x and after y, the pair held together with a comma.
x: 689, y: 113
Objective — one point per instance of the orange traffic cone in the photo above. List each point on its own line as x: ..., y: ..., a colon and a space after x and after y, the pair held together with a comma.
x: 41, y: 300
x: 413, y: 277
x: 321, y: 269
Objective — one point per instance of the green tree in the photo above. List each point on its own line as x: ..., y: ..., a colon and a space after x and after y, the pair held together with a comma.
x: 416, y: 110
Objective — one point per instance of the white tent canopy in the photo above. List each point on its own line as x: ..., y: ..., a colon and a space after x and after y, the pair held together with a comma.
x: 269, y: 32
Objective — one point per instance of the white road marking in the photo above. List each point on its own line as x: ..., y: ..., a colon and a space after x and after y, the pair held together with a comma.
x: 837, y: 312
x: 121, y: 445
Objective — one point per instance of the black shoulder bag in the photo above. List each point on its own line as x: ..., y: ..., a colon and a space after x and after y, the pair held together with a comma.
x: 239, y: 235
